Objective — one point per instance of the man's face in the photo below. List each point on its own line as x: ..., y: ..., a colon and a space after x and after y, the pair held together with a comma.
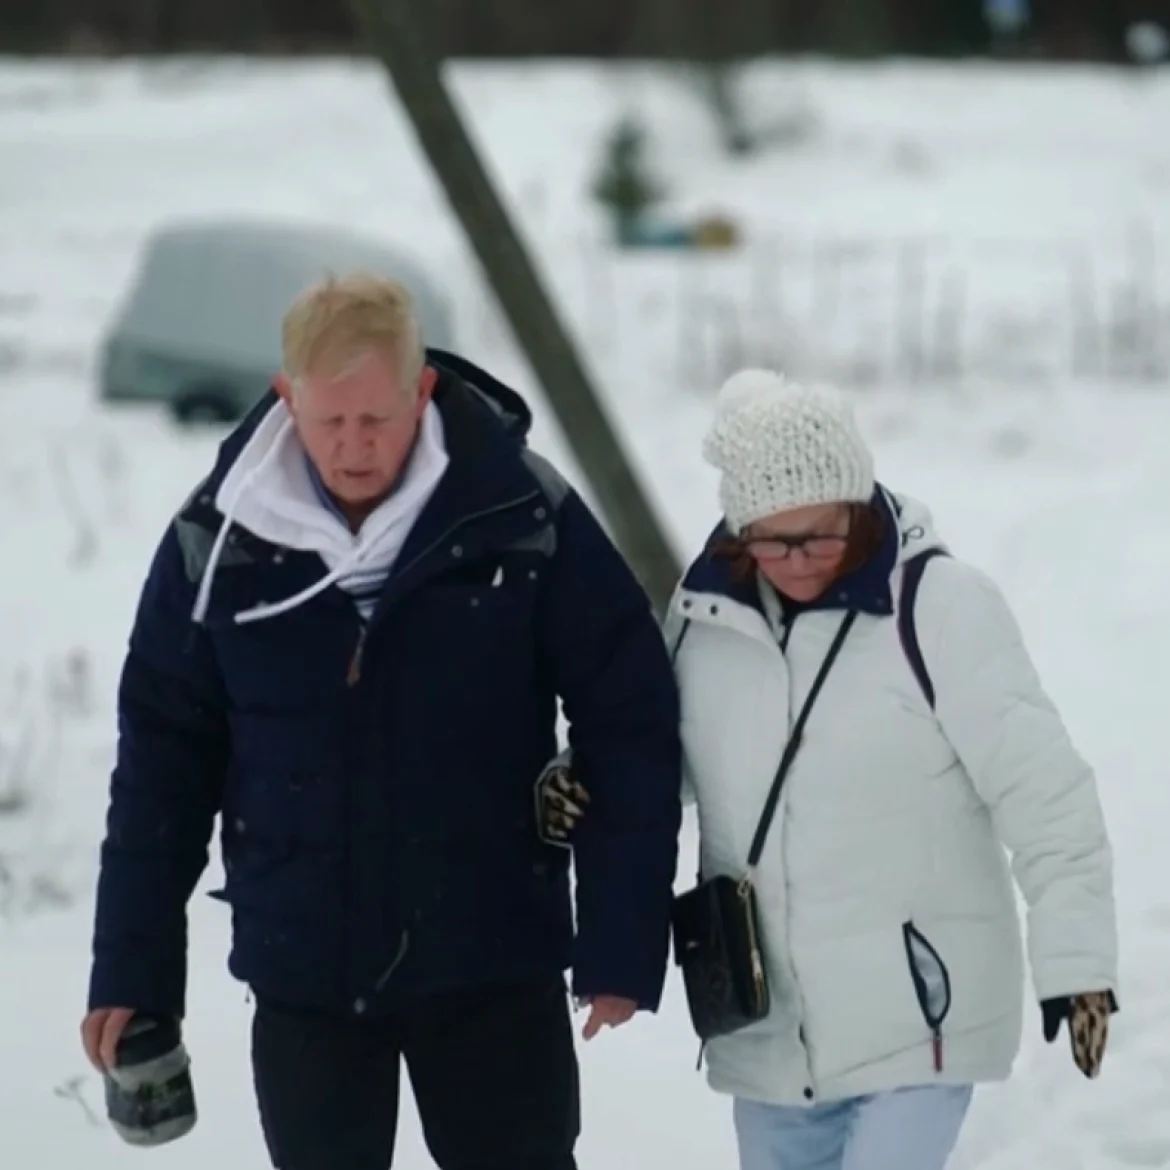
x: 357, y: 426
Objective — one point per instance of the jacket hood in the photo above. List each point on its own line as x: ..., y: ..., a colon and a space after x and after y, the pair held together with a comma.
x: 512, y: 411
x: 916, y: 527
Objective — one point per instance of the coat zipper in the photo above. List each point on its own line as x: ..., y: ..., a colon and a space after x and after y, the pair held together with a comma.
x: 788, y: 620
x: 910, y: 931
x: 786, y: 633
x: 353, y: 672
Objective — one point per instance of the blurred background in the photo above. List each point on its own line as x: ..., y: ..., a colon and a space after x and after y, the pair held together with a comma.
x: 1096, y: 30
x: 958, y: 211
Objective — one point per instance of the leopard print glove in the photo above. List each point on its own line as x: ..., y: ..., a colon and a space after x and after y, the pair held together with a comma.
x: 561, y: 803
x: 1087, y: 1016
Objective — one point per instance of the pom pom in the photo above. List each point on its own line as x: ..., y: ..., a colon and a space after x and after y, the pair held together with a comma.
x: 747, y: 384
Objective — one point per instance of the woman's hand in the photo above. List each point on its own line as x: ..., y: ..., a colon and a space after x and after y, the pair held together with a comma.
x: 561, y: 803
x: 1088, y: 1026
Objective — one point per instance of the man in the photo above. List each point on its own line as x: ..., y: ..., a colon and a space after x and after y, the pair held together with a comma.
x: 351, y: 644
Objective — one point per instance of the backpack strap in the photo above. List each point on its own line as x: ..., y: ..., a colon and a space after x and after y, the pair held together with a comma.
x: 912, y: 572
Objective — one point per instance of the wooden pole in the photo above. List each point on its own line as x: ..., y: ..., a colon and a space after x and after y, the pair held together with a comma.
x: 393, y: 30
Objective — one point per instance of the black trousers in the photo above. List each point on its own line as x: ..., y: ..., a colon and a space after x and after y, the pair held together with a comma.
x: 494, y: 1074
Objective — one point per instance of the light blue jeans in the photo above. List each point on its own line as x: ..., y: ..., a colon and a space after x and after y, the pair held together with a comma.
x: 908, y: 1129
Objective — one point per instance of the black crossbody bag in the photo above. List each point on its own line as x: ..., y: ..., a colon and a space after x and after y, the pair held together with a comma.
x: 716, y: 924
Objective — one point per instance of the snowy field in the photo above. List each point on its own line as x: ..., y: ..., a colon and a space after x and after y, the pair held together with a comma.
x: 1017, y: 385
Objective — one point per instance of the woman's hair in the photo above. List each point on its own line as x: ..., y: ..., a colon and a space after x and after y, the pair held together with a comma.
x: 867, y: 530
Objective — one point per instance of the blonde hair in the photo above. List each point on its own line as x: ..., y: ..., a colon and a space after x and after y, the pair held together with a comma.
x: 334, y: 323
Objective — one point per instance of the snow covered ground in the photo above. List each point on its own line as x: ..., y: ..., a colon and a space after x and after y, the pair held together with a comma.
x: 1041, y: 195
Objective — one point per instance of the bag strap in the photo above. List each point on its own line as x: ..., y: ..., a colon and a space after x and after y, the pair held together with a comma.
x: 912, y: 572
x: 793, y: 744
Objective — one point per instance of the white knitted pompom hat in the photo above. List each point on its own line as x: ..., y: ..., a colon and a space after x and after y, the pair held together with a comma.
x: 780, y: 446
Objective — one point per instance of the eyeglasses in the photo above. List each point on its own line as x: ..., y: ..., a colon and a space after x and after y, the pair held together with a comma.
x: 816, y: 546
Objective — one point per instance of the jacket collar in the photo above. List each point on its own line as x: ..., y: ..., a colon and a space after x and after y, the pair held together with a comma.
x: 866, y: 589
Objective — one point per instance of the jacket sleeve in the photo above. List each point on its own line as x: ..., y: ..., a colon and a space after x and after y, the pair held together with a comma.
x: 674, y: 630
x: 165, y: 791
x: 611, y: 670
x: 1041, y: 793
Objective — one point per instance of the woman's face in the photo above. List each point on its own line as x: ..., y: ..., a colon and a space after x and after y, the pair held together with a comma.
x: 800, y: 551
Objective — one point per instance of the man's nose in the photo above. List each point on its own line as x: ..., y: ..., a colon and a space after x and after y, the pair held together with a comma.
x: 352, y: 439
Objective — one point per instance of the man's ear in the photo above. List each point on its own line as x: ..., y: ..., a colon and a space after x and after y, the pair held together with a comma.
x: 282, y: 384
x: 427, y: 382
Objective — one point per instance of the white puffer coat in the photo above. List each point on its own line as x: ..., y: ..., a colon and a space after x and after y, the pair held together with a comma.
x: 884, y: 880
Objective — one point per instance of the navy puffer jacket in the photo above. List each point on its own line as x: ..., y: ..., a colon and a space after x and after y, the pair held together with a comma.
x: 377, y: 814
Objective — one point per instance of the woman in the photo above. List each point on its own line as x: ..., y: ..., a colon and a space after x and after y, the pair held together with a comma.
x: 889, y: 928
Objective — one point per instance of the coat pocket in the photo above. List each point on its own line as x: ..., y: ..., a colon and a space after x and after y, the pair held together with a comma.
x: 932, y: 984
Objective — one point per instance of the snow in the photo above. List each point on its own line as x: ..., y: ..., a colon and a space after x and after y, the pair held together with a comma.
x: 1038, y: 441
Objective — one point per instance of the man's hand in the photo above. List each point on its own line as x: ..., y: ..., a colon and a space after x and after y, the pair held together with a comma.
x: 100, y: 1032
x: 607, y: 1011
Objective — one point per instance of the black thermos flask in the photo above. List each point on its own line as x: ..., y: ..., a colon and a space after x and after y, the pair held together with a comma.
x: 149, y: 1096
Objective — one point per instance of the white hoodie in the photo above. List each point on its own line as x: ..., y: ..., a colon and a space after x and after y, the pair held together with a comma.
x: 268, y: 491
x: 888, y: 840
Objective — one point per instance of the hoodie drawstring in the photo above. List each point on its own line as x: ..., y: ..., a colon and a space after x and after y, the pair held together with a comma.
x: 266, y: 610
x: 203, y: 595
